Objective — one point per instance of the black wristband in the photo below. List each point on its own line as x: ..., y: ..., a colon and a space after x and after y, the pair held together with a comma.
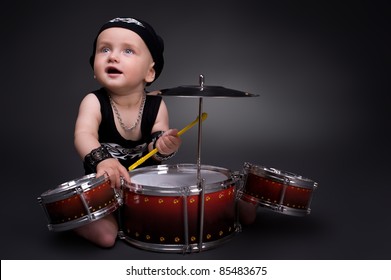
x: 156, y: 135
x: 96, y: 156
x: 160, y: 157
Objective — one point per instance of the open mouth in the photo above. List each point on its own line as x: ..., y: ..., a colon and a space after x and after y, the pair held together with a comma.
x: 113, y: 70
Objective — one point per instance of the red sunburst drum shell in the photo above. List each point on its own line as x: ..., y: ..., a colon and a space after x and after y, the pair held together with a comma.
x: 278, y: 190
x: 78, y: 202
x: 153, y: 211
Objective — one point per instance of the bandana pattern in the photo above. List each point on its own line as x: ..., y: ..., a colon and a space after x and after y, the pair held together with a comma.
x: 128, y: 20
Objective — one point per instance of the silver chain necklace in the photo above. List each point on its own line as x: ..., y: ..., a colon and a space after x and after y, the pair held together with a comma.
x: 140, y: 113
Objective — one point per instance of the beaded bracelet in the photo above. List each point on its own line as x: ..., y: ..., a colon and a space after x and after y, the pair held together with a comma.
x: 161, y: 157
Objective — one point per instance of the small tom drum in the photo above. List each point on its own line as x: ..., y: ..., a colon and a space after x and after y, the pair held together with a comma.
x: 164, y: 209
x: 79, y: 202
x: 277, y: 190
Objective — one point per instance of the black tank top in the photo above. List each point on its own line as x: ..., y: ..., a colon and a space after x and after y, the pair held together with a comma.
x: 126, y: 151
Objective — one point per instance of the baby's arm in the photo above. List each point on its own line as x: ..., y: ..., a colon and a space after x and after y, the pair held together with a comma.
x: 169, y: 142
x: 88, y: 146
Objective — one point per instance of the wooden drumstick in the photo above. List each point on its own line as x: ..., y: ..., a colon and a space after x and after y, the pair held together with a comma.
x: 154, y: 151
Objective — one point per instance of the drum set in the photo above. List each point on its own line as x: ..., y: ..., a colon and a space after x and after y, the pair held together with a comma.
x: 181, y: 208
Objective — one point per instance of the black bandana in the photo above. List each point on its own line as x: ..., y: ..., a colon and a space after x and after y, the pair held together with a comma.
x: 153, y: 41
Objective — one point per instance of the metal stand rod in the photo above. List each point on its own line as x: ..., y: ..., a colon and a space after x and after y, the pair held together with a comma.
x: 200, y: 181
x: 199, y: 140
x: 185, y: 219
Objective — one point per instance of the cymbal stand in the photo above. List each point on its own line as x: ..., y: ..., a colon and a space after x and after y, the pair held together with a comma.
x: 200, y: 181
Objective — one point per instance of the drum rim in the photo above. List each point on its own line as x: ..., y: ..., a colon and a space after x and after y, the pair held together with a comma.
x: 186, y: 189
x: 285, y: 177
x: 68, y: 188
x: 177, y: 248
x: 81, y: 221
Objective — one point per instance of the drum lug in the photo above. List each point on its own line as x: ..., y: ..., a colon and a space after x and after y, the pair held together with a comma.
x: 187, y: 249
x: 247, y: 165
x: 79, y: 190
x: 238, y: 227
x: 40, y: 201
x: 236, y: 175
x: 185, y: 191
x: 279, y: 208
x: 238, y: 179
x: 118, y: 196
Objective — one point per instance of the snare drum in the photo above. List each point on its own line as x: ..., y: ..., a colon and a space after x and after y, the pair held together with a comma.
x: 277, y: 190
x: 78, y: 202
x: 164, y: 209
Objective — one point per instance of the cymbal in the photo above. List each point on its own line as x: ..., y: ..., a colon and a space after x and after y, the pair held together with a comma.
x: 204, y: 91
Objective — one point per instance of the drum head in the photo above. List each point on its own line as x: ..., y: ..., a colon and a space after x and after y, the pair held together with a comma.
x: 170, y: 179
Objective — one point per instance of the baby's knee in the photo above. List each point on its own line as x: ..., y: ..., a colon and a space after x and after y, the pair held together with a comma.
x: 107, y: 240
x: 247, y: 212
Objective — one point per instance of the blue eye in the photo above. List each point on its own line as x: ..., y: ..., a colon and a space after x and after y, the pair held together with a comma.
x: 128, y: 51
x: 105, y: 50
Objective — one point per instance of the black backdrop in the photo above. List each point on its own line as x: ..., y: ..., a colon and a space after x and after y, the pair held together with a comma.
x: 322, y: 72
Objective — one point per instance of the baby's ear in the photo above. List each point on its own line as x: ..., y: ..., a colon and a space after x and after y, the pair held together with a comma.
x: 150, y: 77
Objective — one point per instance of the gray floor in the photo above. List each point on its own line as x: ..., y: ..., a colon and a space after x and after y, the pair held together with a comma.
x: 348, y: 221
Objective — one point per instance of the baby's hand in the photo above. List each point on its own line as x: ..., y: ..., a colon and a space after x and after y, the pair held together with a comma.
x: 113, y: 169
x: 169, y: 142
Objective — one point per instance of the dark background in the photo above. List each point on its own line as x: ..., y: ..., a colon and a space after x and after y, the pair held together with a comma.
x: 322, y: 72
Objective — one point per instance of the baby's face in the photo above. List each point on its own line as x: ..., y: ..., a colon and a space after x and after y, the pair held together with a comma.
x: 122, y: 59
